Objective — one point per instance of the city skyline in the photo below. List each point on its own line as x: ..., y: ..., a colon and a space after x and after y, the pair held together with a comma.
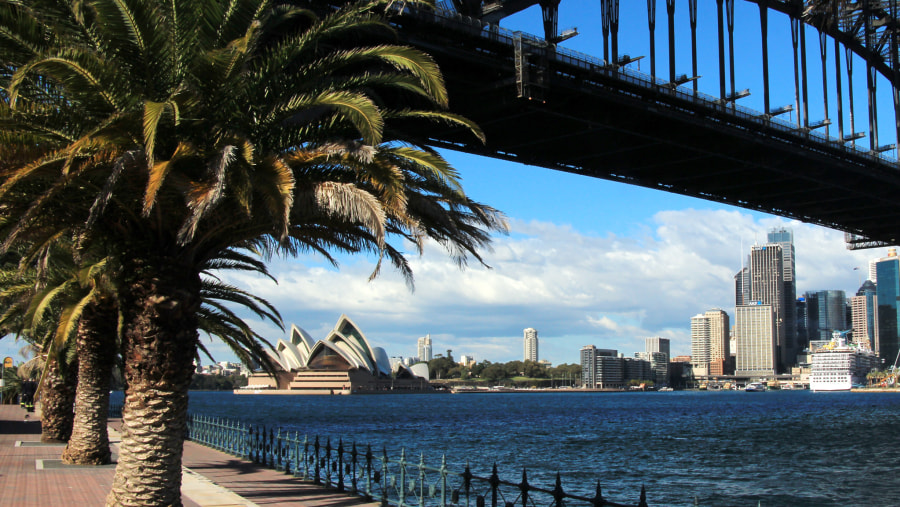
x: 587, y: 261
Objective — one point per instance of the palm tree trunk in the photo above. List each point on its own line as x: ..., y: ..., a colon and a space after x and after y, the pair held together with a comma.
x: 159, y: 346
x: 96, y: 348
x: 57, y: 399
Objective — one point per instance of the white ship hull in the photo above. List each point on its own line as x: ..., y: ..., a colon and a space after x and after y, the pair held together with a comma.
x: 831, y: 385
x: 839, y: 366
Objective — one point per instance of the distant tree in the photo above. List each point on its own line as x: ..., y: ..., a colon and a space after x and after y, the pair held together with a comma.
x: 477, y: 368
x: 439, y: 367
x: 513, y: 368
x: 494, y: 372
x: 533, y: 369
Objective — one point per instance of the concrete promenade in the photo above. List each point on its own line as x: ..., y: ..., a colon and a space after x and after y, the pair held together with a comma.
x: 31, y: 475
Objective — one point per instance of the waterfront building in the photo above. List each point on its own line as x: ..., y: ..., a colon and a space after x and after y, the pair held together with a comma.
x: 785, y: 239
x: 700, y: 345
x: 864, y: 315
x: 710, y: 336
x: 888, y: 292
x: 424, y: 348
x: 343, y: 363
x: 601, y: 368
x: 719, y: 334
x: 756, y: 335
x: 657, y: 344
x: 659, y: 364
x: 636, y: 369
x: 531, y: 345
x: 802, y: 307
x: 719, y: 367
x: 767, y: 288
x: 832, y: 313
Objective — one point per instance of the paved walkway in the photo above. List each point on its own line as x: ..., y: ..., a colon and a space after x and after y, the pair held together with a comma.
x: 31, y: 475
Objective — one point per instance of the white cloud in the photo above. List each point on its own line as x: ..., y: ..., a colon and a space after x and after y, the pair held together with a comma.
x: 576, y: 289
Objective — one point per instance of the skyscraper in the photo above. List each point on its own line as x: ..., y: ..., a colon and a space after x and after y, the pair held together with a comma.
x: 700, y: 345
x: 719, y: 334
x: 887, y: 292
x: 657, y: 344
x: 832, y: 312
x: 785, y: 239
x: 531, y: 344
x: 865, y: 315
x: 755, y: 329
x: 767, y: 288
x: 742, y: 286
x: 424, y: 348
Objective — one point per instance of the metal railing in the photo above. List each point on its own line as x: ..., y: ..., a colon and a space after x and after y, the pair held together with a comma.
x: 398, y: 481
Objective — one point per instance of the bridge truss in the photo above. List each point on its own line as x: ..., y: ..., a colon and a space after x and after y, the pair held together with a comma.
x: 544, y: 105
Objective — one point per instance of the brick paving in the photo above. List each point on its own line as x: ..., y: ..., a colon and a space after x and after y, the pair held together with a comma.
x: 31, y: 475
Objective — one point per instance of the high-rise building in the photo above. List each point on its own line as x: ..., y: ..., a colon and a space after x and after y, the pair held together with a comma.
x: 657, y: 344
x: 888, y: 292
x: 531, y: 344
x: 864, y: 315
x: 710, y: 336
x: 659, y: 363
x: 832, y: 312
x: 424, y: 348
x: 802, y: 306
x: 756, y: 334
x: 785, y: 239
x: 700, y: 345
x: 767, y: 288
x: 742, y: 286
x: 719, y: 334
x: 601, y: 368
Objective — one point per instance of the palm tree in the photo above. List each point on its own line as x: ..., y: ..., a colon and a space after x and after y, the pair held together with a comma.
x: 173, y: 132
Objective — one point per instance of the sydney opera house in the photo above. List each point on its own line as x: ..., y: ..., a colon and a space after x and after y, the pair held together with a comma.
x: 343, y: 363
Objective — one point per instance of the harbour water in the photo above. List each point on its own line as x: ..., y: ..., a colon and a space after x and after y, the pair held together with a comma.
x: 791, y: 448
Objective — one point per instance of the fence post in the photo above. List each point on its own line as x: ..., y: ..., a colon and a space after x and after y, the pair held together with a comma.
x: 340, y: 462
x: 279, y: 463
x: 467, y: 482
x: 558, y: 493
x: 444, y: 480
x: 317, y: 479
x: 402, y: 492
x: 494, y: 481
x: 369, y: 457
x: 421, y: 479
x: 384, y: 477
x: 524, y: 487
x: 354, y: 461
x: 598, y: 500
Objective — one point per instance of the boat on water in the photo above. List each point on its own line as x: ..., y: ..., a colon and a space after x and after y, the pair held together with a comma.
x: 755, y: 387
x: 839, y: 365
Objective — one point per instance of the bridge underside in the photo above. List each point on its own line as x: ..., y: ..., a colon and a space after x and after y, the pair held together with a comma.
x: 542, y: 110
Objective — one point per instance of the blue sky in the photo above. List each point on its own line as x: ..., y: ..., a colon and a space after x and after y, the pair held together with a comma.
x: 588, y: 262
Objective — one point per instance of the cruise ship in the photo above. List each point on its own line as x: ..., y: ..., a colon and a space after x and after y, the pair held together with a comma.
x: 840, y: 365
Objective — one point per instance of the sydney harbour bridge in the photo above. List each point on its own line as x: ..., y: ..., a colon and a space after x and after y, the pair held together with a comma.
x: 811, y: 159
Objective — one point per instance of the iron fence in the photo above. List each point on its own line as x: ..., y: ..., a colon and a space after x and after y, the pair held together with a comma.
x: 397, y: 481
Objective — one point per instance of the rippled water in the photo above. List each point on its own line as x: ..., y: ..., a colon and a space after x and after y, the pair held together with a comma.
x: 792, y: 448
